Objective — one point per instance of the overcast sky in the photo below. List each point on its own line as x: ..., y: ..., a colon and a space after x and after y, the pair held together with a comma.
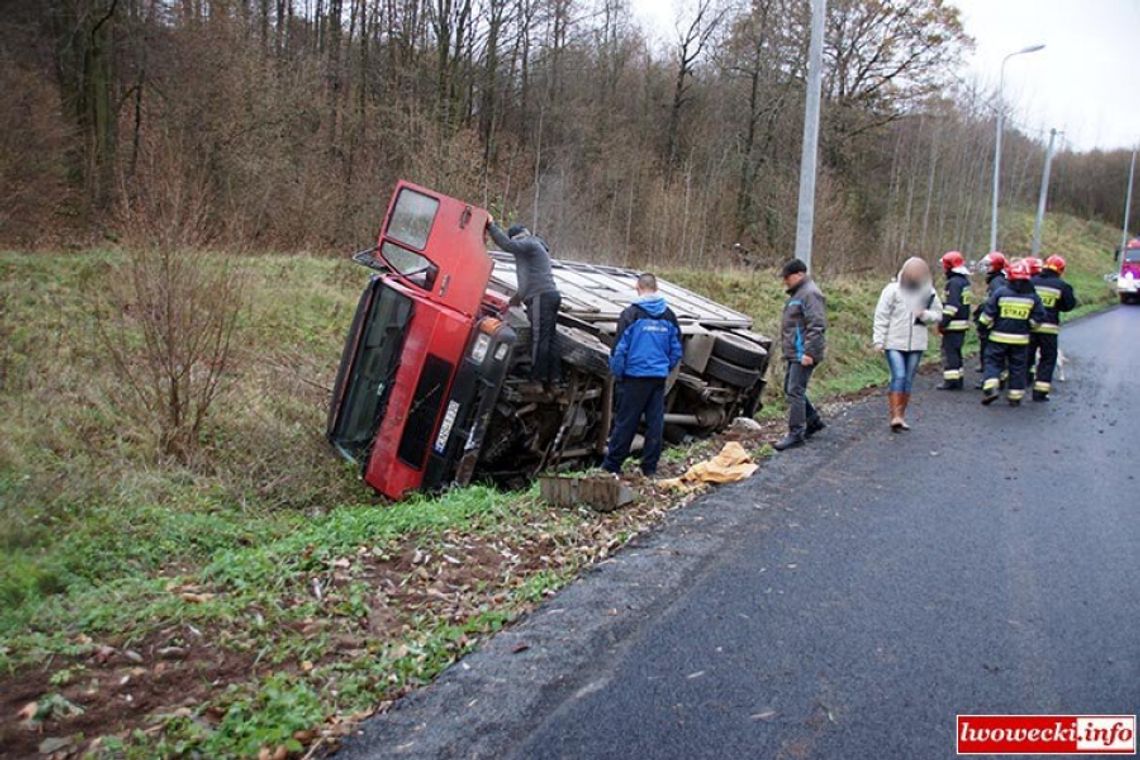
x: 1086, y: 81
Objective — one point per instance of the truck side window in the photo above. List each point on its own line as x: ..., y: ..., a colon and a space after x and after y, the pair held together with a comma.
x: 412, y: 217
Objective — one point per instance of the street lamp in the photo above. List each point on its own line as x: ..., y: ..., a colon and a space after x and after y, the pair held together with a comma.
x: 997, y: 143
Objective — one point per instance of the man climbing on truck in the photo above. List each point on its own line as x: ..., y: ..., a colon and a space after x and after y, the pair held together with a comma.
x: 538, y: 293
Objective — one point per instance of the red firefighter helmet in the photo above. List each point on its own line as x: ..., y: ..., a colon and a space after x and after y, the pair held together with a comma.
x: 994, y: 261
x: 1035, y: 265
x: 952, y: 260
x: 1056, y: 263
x: 1019, y: 270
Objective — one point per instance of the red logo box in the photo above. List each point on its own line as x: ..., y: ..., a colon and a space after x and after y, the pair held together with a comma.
x: 1046, y: 735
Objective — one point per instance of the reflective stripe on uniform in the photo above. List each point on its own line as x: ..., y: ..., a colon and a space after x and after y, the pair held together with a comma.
x: 1015, y: 395
x: 953, y: 374
x: 1048, y: 328
x: 1042, y: 387
x: 957, y: 325
x: 991, y: 384
x: 1010, y: 339
x: 949, y: 310
x: 986, y: 320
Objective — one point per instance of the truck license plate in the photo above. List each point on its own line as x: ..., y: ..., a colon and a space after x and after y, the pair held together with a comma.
x: 445, y: 428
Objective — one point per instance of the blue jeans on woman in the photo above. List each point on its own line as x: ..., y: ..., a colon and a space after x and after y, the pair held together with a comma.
x: 903, y: 366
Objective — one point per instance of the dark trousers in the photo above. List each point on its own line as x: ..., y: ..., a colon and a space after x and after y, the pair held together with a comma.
x: 635, y: 397
x: 542, y: 312
x: 1001, y: 357
x: 983, y: 341
x: 952, y: 355
x: 1046, y: 353
x: 800, y: 409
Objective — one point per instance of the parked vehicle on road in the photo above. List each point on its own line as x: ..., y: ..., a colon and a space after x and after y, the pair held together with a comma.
x: 1128, y: 278
x: 432, y: 387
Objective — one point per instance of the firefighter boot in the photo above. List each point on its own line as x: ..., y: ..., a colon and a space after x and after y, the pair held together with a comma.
x: 895, y: 404
x: 1040, y: 396
x: 952, y: 385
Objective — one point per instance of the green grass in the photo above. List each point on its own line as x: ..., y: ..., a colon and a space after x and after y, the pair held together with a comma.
x: 97, y: 533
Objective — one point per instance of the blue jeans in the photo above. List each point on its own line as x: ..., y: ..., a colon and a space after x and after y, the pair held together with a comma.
x: 903, y: 366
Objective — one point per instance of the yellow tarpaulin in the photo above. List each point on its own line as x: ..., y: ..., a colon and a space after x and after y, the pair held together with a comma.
x: 732, y: 464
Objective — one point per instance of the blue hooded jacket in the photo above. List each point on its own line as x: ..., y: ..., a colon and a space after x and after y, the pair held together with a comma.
x: 648, y: 340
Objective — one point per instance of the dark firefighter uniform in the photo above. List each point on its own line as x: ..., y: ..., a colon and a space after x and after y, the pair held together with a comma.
x: 1056, y: 296
x: 955, y: 322
x: 994, y: 281
x: 1009, y: 315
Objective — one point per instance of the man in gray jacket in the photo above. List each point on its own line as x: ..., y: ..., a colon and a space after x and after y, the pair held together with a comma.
x: 802, y: 330
x: 538, y: 293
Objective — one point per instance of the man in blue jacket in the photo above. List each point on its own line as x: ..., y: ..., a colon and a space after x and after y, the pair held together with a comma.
x: 646, y: 349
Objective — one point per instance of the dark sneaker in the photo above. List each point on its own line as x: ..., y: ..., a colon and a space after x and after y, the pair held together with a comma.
x: 814, y: 427
x: 789, y: 441
x: 988, y: 397
x: 1039, y: 396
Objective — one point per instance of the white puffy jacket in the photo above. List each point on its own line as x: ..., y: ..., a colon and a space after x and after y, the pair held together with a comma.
x: 895, y: 324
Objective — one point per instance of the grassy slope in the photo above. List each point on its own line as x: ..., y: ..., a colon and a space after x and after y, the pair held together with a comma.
x: 95, y: 533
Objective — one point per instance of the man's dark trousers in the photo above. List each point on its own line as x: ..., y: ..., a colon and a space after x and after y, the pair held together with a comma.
x: 637, y: 396
x: 542, y: 313
x: 800, y: 409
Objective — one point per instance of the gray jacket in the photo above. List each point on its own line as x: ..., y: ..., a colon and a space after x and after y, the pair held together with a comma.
x: 804, y: 323
x: 532, y: 261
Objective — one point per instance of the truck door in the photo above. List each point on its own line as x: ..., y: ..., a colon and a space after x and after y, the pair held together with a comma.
x: 435, y: 245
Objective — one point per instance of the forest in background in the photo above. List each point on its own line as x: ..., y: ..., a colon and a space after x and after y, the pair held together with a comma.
x: 282, y: 124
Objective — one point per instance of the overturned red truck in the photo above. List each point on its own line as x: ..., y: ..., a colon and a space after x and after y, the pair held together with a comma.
x: 431, y: 389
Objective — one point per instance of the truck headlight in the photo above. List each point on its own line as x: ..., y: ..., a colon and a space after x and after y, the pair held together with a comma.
x: 479, y: 350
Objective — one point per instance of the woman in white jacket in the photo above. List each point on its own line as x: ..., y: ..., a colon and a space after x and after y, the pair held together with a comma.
x: 908, y: 307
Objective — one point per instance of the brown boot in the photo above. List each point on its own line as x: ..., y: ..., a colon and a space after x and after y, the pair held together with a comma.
x: 894, y: 402
x: 904, y: 400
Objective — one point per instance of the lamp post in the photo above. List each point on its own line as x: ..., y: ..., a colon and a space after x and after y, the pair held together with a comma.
x: 805, y: 216
x: 997, y: 143
x: 1127, y: 204
x: 1043, y: 197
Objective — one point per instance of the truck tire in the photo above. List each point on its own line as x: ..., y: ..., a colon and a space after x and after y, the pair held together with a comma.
x: 733, y: 374
x: 580, y: 349
x: 740, y: 351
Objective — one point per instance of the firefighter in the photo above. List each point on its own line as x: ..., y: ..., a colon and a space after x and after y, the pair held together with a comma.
x: 993, y: 264
x: 1056, y: 296
x: 955, y: 319
x: 1009, y: 315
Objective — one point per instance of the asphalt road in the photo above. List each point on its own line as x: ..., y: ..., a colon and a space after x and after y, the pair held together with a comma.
x: 847, y: 601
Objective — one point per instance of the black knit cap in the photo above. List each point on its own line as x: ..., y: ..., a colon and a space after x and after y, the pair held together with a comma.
x: 793, y: 266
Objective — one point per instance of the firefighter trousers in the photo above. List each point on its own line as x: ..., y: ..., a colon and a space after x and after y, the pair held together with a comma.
x: 952, y: 355
x: 1006, y: 357
x: 1046, y: 352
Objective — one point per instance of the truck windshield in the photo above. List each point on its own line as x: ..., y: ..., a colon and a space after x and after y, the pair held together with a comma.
x: 1132, y: 254
x: 374, y: 366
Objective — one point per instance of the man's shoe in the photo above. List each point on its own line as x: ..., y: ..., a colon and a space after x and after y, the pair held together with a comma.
x: 990, y: 396
x: 813, y: 427
x: 790, y: 441
x: 1039, y: 396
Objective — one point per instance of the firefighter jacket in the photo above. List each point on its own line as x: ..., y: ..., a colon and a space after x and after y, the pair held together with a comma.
x: 1056, y: 296
x: 1011, y: 313
x: 956, y: 303
x: 994, y: 280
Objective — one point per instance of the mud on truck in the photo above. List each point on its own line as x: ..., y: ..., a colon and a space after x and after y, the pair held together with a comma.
x: 432, y: 388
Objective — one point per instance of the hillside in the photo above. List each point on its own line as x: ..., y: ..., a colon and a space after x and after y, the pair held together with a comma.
x: 245, y: 598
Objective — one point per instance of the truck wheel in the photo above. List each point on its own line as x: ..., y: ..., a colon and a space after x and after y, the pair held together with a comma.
x: 733, y: 374
x: 739, y: 351
x: 580, y: 349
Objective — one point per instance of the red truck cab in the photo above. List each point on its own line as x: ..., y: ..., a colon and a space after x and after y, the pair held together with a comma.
x: 427, y: 350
